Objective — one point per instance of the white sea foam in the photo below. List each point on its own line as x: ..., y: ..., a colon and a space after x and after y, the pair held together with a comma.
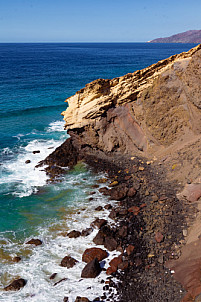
x: 25, y: 177
x: 56, y: 126
x: 46, y: 259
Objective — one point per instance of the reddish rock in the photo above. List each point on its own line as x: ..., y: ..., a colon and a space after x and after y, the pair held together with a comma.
x: 135, y: 210
x: 92, y: 253
x: 92, y: 269
x: 110, y: 270
x: 123, y: 212
x: 34, y: 241
x: 115, y: 262
x: 104, y: 191
x: 74, y: 234
x: 158, y: 237
x: 130, y: 249
x: 127, y: 177
x: 131, y: 192
x: 17, y: 259
x: 99, y: 223
x: 68, y: 262
x: 16, y: 285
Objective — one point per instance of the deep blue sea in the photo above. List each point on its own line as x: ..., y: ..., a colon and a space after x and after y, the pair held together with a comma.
x: 35, y: 80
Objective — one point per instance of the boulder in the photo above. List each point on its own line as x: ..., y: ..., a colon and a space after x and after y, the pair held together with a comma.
x: 36, y: 151
x: 68, y: 261
x: 34, y: 241
x: 92, y: 253
x: 86, y: 232
x: 27, y: 161
x: 16, y: 259
x: 110, y: 243
x: 99, y: 223
x: 74, y: 234
x: 81, y: 299
x: 16, y: 285
x: 99, y: 239
x: 92, y: 269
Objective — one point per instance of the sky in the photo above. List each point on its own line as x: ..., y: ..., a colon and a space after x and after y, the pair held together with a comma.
x: 96, y: 20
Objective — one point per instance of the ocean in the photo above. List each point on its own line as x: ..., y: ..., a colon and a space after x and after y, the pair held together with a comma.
x: 35, y: 80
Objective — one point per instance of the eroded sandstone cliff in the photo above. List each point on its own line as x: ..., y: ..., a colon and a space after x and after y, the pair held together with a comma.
x: 155, y: 111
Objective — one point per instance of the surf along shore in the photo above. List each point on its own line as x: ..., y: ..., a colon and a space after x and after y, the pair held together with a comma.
x: 144, y: 131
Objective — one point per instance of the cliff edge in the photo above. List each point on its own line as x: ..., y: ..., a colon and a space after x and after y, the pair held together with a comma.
x: 154, y: 112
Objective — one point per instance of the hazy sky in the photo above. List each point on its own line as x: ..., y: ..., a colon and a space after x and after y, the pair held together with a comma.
x: 96, y: 20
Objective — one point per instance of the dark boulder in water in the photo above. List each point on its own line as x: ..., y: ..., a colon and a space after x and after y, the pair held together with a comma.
x: 92, y: 269
x: 68, y: 261
x: 16, y: 284
x: 34, y: 241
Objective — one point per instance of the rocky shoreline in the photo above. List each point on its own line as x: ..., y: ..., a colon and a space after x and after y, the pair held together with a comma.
x: 149, y: 228
x: 144, y: 131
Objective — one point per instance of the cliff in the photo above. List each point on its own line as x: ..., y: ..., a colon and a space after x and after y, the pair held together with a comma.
x: 152, y: 112
x: 190, y: 36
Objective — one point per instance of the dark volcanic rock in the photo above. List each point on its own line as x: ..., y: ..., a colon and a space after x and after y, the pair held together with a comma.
x: 65, y: 299
x: 34, y: 241
x: 110, y: 243
x: 74, y: 234
x: 81, y: 299
x: 86, y: 232
x: 92, y: 253
x: 27, y: 161
x: 17, y: 259
x: 16, y: 284
x: 53, y: 276
x: 99, y: 223
x: 68, y: 262
x: 36, y: 151
x: 99, y: 239
x: 92, y: 269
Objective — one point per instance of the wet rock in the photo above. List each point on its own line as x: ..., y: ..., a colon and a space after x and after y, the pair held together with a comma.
x: 99, y: 208
x: 68, y: 262
x: 65, y: 299
x: 92, y: 269
x: 53, y: 276
x: 64, y: 279
x: 92, y: 253
x: 74, y: 234
x: 16, y: 285
x: 99, y: 223
x: 86, y: 232
x: 115, y: 262
x: 36, y: 151
x: 27, y: 161
x: 108, y: 206
x: 99, y: 239
x: 34, y: 241
x: 159, y: 237
x: 104, y: 191
x: 17, y: 259
x: 81, y: 299
x: 110, y: 244
x: 110, y: 270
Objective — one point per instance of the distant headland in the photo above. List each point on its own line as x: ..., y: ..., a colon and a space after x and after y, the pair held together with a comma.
x: 190, y: 36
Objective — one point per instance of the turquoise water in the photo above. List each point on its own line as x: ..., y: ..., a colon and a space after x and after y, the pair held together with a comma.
x: 35, y: 80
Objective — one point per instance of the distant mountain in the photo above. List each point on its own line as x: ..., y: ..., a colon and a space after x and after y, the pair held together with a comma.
x: 190, y: 36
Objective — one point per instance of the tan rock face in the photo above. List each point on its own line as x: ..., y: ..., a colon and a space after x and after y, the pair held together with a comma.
x: 145, y: 110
